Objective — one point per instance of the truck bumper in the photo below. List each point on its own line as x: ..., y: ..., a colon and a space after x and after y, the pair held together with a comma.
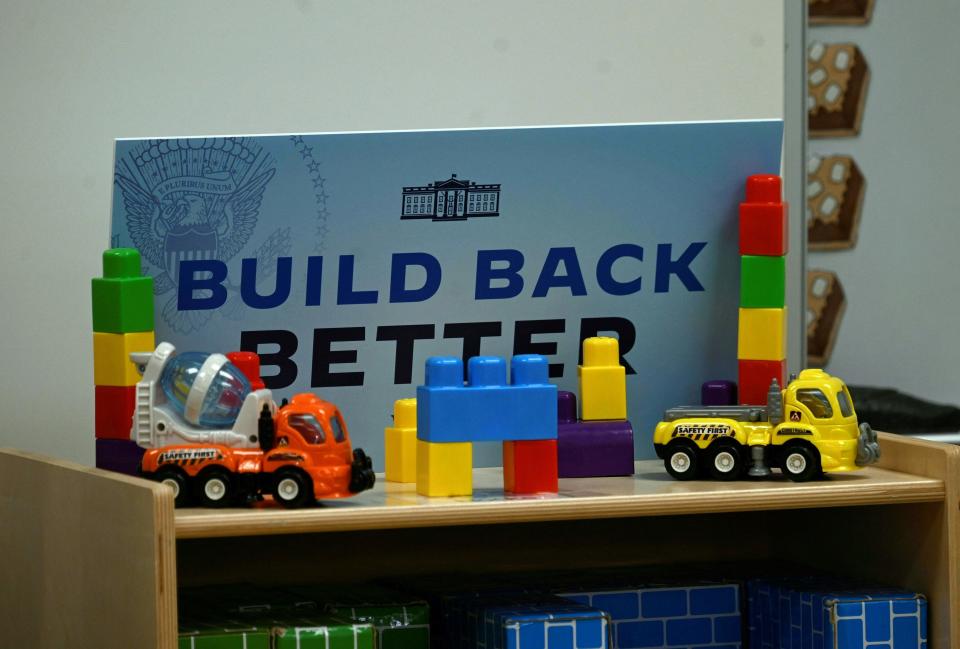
x: 838, y: 455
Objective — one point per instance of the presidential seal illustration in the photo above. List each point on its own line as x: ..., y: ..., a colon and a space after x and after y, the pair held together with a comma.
x: 198, y: 198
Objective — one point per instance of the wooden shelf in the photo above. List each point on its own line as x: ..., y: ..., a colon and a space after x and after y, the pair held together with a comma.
x: 650, y: 492
x: 91, y: 558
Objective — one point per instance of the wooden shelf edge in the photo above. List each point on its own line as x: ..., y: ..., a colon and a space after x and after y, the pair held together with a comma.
x: 86, y: 544
x: 281, y: 522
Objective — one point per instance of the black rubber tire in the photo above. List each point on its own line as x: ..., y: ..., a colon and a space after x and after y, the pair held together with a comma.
x: 681, y: 461
x: 362, y: 476
x: 215, y: 488
x: 800, y: 463
x: 734, y: 467
x: 180, y: 484
x: 293, y: 489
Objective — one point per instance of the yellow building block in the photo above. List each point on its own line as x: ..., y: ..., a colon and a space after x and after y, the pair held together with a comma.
x: 444, y: 468
x: 400, y: 442
x: 111, y: 356
x: 603, y: 380
x: 762, y: 335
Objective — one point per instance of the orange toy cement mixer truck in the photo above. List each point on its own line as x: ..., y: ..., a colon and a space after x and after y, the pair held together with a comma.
x: 217, y: 441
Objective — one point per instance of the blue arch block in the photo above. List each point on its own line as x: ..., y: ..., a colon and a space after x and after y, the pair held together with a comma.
x: 487, y: 408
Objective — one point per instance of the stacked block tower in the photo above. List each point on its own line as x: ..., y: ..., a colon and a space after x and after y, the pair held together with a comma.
x: 600, y: 443
x: 438, y: 456
x: 431, y: 441
x: 762, y: 332
x: 122, y: 323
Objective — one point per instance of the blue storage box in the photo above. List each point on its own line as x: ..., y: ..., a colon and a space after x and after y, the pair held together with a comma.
x: 524, y: 622
x: 812, y: 614
x: 682, y: 616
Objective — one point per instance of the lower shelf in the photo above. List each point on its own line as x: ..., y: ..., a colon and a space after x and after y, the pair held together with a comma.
x: 94, y: 558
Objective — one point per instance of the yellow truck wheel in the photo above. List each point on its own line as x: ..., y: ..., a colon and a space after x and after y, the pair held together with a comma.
x: 725, y: 461
x: 800, y: 462
x: 681, y: 460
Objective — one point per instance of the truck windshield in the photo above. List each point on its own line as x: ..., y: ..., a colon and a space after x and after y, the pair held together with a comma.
x: 817, y: 402
x: 337, y: 425
x: 845, y: 408
x: 308, y: 426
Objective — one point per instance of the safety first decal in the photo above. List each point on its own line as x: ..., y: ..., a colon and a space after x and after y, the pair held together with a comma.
x: 189, y: 456
x: 702, y: 431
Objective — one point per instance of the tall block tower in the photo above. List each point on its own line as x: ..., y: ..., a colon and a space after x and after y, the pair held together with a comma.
x: 762, y: 331
x: 122, y: 323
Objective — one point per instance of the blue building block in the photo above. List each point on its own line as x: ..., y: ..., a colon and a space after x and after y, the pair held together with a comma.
x: 819, y: 614
x: 522, y: 621
x: 701, y: 615
x: 487, y: 409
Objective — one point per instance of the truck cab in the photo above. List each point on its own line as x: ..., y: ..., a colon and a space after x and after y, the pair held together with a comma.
x: 311, y: 435
x: 818, y: 407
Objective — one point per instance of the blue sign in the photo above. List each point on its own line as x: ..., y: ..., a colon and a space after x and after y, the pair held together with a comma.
x: 346, y: 259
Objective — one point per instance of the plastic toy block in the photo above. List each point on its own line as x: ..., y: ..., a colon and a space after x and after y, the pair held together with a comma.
x: 120, y: 455
x: 400, y: 442
x: 122, y: 298
x: 762, y: 334
x: 763, y: 282
x: 718, y: 393
x: 677, y: 612
x: 487, y: 408
x: 763, y: 218
x: 530, y: 466
x: 113, y: 411
x: 754, y: 380
x: 829, y: 612
x: 603, y: 381
x: 444, y: 469
x: 111, y: 357
x: 509, y: 619
x: 591, y: 449
x: 249, y: 364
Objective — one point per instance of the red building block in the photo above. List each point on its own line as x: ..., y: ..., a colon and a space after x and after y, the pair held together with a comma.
x: 530, y: 466
x: 763, y: 218
x: 249, y: 364
x: 113, y: 411
x: 755, y: 377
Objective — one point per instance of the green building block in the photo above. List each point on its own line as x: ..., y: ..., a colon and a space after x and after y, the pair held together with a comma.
x: 323, y: 632
x: 222, y: 635
x: 763, y: 282
x: 122, y: 298
x: 400, y: 621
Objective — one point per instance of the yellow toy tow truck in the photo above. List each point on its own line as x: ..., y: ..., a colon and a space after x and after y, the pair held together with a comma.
x: 805, y: 430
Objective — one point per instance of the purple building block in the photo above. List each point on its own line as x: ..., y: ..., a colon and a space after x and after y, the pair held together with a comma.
x: 120, y: 455
x: 591, y: 449
x: 718, y: 393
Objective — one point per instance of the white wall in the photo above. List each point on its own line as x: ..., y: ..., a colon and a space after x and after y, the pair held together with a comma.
x: 76, y: 75
x: 902, y: 280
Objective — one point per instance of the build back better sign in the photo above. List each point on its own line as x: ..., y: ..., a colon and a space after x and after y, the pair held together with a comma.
x: 346, y: 259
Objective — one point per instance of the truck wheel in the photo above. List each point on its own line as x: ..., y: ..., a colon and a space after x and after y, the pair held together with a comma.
x: 362, y: 476
x: 177, y: 481
x: 215, y: 488
x: 800, y: 463
x: 726, y: 462
x: 681, y: 462
x: 293, y: 489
